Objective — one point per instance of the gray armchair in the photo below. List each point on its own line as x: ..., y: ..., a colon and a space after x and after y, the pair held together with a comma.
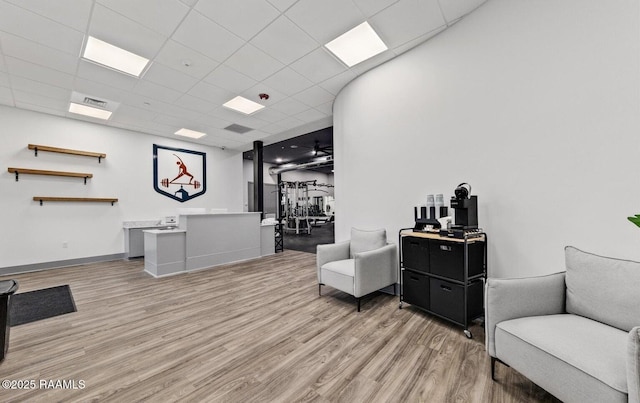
x: 360, y: 266
x: 575, y: 333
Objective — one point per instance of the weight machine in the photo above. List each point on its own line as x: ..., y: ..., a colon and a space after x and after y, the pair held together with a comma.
x: 294, y: 205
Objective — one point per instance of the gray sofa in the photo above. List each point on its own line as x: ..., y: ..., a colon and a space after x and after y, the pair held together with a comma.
x: 575, y: 333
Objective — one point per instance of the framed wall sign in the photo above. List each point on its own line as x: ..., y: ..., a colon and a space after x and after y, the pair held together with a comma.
x: 178, y: 173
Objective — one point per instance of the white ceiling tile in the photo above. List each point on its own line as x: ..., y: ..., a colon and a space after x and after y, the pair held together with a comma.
x: 282, y: 31
x: 94, y: 72
x: 200, y: 33
x: 326, y: 108
x: 372, y: 7
x: 233, y: 116
x: 407, y: 20
x: 226, y: 77
x: 212, y: 121
x: 73, y: 13
x: 253, y: 62
x: 21, y: 48
x: 318, y: 65
x: 176, y: 55
x: 163, y: 75
x: 173, y: 110
x: 244, y: 18
x: 111, y: 27
x: 336, y: 83
x: 6, y: 96
x: 23, y: 97
x: 282, y: 5
x: 260, y: 88
x: 290, y: 123
x: 39, y: 73
x: 310, y: 115
x: 273, y: 128
x: 175, y: 122
x: 196, y: 104
x: 314, y: 96
x: 131, y: 114
x: 398, y: 50
x: 454, y: 9
x: 155, y: 91
x: 3, y: 66
x: 325, y: 20
x: 4, y: 80
x: 162, y: 16
x: 189, y: 3
x: 290, y: 106
x: 35, y: 87
x: 39, y: 29
x: 37, y: 108
x: 271, y: 115
x: 98, y: 90
x: 211, y: 93
x: 288, y: 81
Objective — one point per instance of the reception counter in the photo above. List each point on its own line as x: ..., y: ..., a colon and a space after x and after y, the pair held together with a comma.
x: 208, y: 240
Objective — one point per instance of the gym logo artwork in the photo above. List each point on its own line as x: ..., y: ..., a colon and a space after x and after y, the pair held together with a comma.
x: 179, y: 174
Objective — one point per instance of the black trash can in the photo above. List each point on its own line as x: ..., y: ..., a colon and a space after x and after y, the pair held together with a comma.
x: 7, y: 289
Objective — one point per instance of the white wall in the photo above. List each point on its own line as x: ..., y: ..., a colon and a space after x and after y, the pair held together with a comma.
x: 535, y: 104
x: 35, y: 234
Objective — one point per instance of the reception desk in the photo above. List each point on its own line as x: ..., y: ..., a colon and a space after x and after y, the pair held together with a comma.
x: 210, y: 240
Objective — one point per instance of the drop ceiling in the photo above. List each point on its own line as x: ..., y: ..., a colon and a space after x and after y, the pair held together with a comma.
x: 203, y: 53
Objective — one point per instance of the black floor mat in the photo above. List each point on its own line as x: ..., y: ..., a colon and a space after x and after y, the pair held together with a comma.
x: 31, y: 306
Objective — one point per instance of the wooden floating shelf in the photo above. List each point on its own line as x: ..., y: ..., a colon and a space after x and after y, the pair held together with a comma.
x: 37, y: 147
x: 75, y: 199
x: 28, y: 171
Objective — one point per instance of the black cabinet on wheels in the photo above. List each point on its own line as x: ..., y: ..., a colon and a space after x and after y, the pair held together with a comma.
x: 444, y: 276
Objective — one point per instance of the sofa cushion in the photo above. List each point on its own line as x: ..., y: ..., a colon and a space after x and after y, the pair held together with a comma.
x: 602, y: 288
x: 339, y: 274
x: 363, y: 241
x: 596, y: 349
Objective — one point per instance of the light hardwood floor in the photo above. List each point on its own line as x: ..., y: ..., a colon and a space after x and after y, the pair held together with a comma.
x: 254, y: 331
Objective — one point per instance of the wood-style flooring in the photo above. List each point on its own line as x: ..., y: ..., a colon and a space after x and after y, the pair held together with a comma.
x: 254, y: 331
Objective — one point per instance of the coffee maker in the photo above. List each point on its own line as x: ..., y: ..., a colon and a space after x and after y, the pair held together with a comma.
x: 466, y: 208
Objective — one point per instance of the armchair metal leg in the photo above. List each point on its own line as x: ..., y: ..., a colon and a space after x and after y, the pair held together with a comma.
x: 394, y: 288
x: 493, y: 368
x: 320, y: 289
x: 358, y: 299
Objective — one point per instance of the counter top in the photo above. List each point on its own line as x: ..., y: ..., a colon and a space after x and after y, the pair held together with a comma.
x: 164, y: 231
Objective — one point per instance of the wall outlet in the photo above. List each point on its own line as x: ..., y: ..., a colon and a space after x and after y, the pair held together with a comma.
x: 171, y: 219
x: 65, y: 244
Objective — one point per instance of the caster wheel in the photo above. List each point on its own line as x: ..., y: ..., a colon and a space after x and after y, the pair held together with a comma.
x: 400, y: 306
x: 468, y: 334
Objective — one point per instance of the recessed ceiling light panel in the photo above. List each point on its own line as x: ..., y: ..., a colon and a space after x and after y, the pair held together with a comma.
x: 89, y: 111
x: 357, y: 45
x: 243, y: 105
x: 114, y: 57
x: 190, y: 133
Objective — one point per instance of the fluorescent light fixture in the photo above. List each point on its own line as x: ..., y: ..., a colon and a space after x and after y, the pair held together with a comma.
x: 278, y: 160
x: 243, y: 105
x: 357, y: 45
x: 89, y: 111
x: 190, y: 133
x: 114, y: 57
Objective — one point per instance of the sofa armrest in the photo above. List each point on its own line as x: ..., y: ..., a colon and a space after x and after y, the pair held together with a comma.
x: 633, y: 365
x: 330, y: 253
x: 507, y: 299
x: 375, y: 269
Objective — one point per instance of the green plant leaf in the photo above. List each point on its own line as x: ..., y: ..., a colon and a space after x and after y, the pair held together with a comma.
x: 635, y: 220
